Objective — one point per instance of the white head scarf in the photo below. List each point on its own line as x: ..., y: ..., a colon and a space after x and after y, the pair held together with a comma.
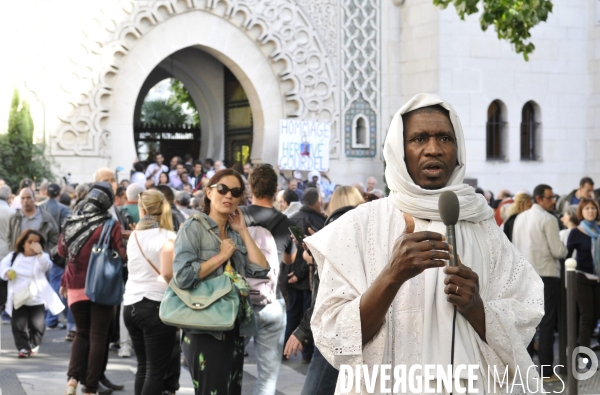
x: 411, y: 198
x: 471, y: 244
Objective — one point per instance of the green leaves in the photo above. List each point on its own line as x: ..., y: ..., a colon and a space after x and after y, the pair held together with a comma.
x: 162, y: 111
x: 512, y: 19
x: 181, y: 96
x: 21, y: 158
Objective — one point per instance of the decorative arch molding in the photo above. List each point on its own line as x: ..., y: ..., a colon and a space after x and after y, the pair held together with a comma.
x: 279, y: 28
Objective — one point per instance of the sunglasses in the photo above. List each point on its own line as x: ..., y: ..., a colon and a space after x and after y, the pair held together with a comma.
x: 223, y: 189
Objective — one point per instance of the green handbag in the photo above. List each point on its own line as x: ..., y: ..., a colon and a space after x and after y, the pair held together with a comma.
x: 212, y: 306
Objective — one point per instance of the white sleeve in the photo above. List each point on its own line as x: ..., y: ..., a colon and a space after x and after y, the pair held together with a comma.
x: 5, y: 266
x: 557, y: 248
x: 45, y: 262
x: 149, y: 170
x: 336, y: 322
x: 514, y: 306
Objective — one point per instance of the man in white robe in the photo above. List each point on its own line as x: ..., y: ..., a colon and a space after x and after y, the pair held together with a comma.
x: 386, y: 294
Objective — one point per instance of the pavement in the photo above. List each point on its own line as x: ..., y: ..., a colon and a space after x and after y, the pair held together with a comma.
x: 46, y: 372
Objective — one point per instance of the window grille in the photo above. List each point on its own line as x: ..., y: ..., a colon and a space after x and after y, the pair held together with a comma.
x: 494, y: 127
x: 528, y: 132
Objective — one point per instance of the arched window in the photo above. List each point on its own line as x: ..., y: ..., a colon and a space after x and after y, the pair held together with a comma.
x: 529, y: 149
x: 360, y: 132
x: 494, y: 127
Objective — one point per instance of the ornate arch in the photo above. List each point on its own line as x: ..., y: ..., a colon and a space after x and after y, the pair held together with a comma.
x: 279, y: 28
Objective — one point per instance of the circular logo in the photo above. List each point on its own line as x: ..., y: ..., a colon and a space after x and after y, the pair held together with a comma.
x: 580, y: 360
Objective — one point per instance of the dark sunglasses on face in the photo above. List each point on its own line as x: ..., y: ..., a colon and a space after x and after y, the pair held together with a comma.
x: 223, y: 189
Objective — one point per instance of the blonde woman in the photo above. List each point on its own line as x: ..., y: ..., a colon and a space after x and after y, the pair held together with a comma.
x: 150, y: 252
x: 343, y: 197
x: 522, y: 202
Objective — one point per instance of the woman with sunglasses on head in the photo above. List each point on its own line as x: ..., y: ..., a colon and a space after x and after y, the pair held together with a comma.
x: 202, y: 252
x: 150, y: 265
x: 26, y: 267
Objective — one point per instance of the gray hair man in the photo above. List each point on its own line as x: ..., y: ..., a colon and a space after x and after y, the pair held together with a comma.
x: 371, y: 184
x: 5, y: 213
x: 131, y: 205
x: 182, y: 201
x: 31, y: 217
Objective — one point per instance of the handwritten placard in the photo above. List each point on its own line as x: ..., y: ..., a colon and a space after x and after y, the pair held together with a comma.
x: 304, y: 145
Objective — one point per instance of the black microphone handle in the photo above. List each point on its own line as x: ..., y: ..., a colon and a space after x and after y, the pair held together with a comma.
x: 451, y: 239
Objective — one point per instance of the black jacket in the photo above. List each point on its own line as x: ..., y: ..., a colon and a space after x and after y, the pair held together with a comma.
x: 306, y: 217
x: 303, y: 332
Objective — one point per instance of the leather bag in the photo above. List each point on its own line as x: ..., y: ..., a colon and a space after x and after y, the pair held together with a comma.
x: 104, y: 279
x: 212, y: 306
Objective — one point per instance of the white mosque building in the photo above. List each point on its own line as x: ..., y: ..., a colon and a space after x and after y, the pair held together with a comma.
x: 86, y: 67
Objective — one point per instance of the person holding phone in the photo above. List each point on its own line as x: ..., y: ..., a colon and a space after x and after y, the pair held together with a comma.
x: 297, y: 276
x: 204, y: 244
x: 321, y: 376
x: 24, y: 268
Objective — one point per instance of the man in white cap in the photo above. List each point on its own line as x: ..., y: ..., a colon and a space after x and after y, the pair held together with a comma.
x: 386, y: 294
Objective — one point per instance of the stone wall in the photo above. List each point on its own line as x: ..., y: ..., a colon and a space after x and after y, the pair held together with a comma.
x: 476, y: 68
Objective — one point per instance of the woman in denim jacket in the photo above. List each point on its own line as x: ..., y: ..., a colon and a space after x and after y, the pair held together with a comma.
x: 216, y: 359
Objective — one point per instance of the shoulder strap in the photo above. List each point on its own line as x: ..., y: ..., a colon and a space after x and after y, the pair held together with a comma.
x: 275, y: 219
x: 106, y: 231
x: 198, y: 217
x: 144, y: 255
x: 13, y: 258
x: 248, y: 218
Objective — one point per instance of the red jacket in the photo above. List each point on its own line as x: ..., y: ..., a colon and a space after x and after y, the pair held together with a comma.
x: 76, y: 269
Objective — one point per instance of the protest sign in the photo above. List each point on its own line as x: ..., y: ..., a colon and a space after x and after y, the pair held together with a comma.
x: 304, y: 145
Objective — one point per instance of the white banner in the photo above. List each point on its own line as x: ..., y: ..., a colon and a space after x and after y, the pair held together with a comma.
x: 304, y: 145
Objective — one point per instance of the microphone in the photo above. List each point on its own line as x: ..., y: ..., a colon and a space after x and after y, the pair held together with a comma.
x: 449, y: 210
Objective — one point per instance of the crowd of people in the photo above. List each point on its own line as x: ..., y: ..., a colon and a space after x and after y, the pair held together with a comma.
x: 48, y: 233
x: 197, y: 221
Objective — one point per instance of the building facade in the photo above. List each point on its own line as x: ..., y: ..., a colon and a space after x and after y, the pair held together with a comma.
x: 86, y: 67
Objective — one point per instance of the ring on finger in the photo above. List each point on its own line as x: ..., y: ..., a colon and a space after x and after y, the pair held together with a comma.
x: 457, y: 289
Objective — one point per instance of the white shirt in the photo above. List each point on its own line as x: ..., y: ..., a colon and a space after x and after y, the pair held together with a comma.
x: 143, y: 280
x: 174, y: 179
x: 156, y: 176
x: 31, y: 272
x: 351, y: 253
x: 535, y: 234
x: 138, y: 178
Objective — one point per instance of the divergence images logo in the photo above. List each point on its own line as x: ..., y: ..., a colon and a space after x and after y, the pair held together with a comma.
x: 587, y: 362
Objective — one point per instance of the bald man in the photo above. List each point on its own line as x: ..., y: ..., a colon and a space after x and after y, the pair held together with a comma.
x: 31, y: 217
x: 104, y: 174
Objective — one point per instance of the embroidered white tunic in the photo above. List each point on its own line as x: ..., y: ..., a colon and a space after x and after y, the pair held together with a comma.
x: 352, y: 251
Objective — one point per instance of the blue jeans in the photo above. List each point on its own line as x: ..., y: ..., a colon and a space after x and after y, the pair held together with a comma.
x: 268, y: 345
x: 54, y: 276
x: 321, y: 377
